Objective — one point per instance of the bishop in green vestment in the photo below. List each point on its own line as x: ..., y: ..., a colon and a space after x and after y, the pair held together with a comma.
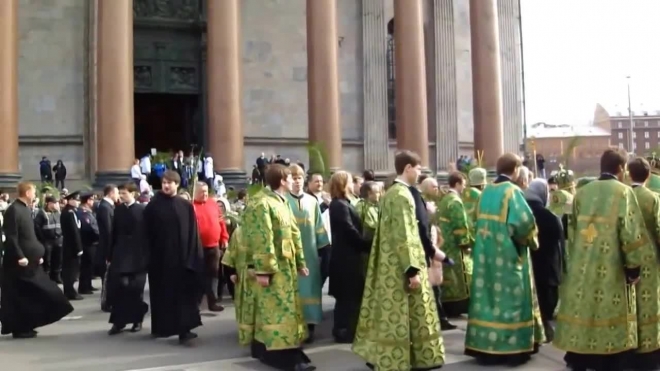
x: 399, y: 329
x: 504, y: 321
x: 597, y: 319
x: 307, y: 212
x: 270, y: 231
x: 238, y: 258
x: 455, y: 228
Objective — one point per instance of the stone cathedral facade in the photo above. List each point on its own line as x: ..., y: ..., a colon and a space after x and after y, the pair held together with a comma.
x: 57, y: 70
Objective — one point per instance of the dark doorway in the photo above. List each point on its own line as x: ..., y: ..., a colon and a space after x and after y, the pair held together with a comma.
x: 166, y: 122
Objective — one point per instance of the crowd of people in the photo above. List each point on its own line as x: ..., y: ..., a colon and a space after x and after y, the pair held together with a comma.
x: 568, y: 261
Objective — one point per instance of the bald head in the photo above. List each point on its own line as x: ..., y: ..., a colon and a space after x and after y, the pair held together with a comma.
x: 429, y: 186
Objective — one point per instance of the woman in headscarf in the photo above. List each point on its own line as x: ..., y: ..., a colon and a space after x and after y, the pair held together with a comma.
x: 548, y: 260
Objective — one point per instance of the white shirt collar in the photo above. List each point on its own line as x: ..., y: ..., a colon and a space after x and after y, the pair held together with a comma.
x: 108, y: 200
x: 397, y: 180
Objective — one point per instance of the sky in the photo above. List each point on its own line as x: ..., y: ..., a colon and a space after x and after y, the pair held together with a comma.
x: 578, y: 53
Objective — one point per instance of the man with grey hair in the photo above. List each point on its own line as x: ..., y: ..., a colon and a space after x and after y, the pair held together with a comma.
x: 524, y: 177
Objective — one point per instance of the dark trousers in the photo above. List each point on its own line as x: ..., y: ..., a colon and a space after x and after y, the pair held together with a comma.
x: 87, y: 267
x: 59, y: 183
x: 437, y: 292
x: 129, y: 306
x: 70, y: 271
x: 548, y: 298
x: 211, y: 259
x: 224, y: 279
x: 53, y: 259
x: 346, y: 316
x: 324, y: 262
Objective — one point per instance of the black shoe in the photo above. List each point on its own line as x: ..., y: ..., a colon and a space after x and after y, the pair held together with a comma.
x: 86, y: 292
x: 116, y: 330
x: 57, y: 279
x: 94, y: 289
x: 549, y: 333
x: 310, y: 334
x: 371, y: 367
x: 74, y: 297
x: 24, y: 335
x: 445, y: 325
x: 137, y: 327
x: 342, y: 336
x: 216, y: 308
x: 187, y: 337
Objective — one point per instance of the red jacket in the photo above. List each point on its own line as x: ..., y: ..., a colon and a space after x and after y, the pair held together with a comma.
x: 211, y: 224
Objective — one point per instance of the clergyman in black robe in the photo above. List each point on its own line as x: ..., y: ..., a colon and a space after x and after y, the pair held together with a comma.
x: 176, y: 262
x: 72, y: 247
x: 128, y: 257
x: 29, y: 298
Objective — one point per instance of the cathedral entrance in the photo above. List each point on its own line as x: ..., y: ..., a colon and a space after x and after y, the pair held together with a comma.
x: 165, y: 122
x: 168, y: 73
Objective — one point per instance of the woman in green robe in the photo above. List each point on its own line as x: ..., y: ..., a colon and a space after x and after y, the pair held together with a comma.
x: 504, y: 321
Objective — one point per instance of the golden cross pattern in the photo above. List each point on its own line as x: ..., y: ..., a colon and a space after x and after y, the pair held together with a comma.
x: 593, y: 343
x: 574, y: 340
x: 609, y: 347
x: 646, y: 343
x: 646, y: 295
x: 602, y: 271
x: 590, y: 233
x: 616, y: 300
x: 646, y: 272
x: 484, y: 232
x: 599, y: 295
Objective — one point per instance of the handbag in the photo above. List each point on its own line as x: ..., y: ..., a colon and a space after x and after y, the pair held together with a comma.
x: 104, y: 292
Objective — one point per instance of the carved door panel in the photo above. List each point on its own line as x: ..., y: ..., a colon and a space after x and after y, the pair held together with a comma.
x: 180, y: 77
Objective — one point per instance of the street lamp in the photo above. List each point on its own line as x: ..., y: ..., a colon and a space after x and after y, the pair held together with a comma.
x: 631, y: 141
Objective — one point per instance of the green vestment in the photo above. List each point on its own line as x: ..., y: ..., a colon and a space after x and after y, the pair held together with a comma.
x: 368, y: 212
x: 268, y: 228
x: 470, y: 198
x: 237, y: 257
x: 398, y: 327
x: 597, y: 315
x: 648, y: 296
x: 560, y: 202
x: 654, y: 183
x: 454, y: 226
x: 314, y: 237
x: 504, y: 318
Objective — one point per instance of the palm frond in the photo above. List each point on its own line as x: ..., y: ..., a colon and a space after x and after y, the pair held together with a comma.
x: 318, y: 160
x: 566, y: 157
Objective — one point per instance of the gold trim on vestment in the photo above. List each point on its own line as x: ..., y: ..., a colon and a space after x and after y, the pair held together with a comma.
x: 495, y: 352
x: 504, y: 208
x: 634, y: 246
x: 594, y: 352
x: 596, y: 219
x: 591, y: 322
x: 460, y: 232
x: 442, y: 219
x: 501, y: 326
x: 396, y: 342
x: 243, y: 326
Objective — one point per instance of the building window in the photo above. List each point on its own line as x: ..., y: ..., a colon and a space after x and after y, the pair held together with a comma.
x: 391, y: 78
x: 620, y: 135
x: 646, y: 124
x: 620, y: 145
x: 619, y: 124
x: 646, y: 134
x: 658, y: 134
x: 647, y: 145
x: 634, y: 135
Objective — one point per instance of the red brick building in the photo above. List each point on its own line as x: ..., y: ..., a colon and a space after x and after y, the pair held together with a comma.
x: 646, y: 129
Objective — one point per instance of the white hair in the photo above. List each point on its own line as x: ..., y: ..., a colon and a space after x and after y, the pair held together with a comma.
x: 524, y: 174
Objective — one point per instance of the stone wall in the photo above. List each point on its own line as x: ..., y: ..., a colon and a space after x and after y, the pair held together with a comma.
x: 52, y: 78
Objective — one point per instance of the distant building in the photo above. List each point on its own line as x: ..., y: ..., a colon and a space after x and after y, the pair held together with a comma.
x: 554, y: 141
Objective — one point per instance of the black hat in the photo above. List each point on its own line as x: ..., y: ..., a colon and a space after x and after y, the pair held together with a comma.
x: 84, y: 197
x: 73, y: 196
x: 50, y: 200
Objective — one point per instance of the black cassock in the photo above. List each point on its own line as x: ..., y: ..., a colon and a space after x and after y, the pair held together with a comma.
x: 127, y: 274
x: 71, y: 247
x: 176, y: 264
x: 30, y: 299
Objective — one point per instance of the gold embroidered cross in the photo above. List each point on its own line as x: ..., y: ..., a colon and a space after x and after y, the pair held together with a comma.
x: 646, y: 272
x: 484, y: 232
x: 592, y: 343
x: 590, y: 233
x: 599, y: 295
x: 574, y: 340
x: 609, y: 347
x: 646, y: 343
x: 646, y: 295
x: 616, y: 300
x: 602, y: 271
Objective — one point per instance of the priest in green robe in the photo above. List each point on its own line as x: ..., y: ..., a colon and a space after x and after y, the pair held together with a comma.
x: 454, y: 225
x: 654, y: 180
x: 504, y: 320
x: 477, y: 178
x: 399, y: 329
x: 270, y: 231
x: 597, y: 319
x: 648, y: 295
x: 307, y: 212
x: 237, y: 259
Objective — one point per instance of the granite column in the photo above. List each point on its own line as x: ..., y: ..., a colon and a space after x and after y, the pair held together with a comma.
x: 511, y: 65
x: 225, y: 108
x: 410, y: 64
x: 115, y: 131
x: 374, y: 69
x: 486, y: 81
x: 9, y: 169
x: 323, y: 80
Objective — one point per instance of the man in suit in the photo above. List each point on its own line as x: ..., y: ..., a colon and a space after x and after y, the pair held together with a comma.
x: 422, y: 210
x: 104, y: 214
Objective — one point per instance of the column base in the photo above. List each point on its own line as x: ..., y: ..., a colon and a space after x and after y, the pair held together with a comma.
x: 8, y: 181
x: 103, y: 178
x: 382, y: 176
x: 442, y: 177
x: 234, y: 178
